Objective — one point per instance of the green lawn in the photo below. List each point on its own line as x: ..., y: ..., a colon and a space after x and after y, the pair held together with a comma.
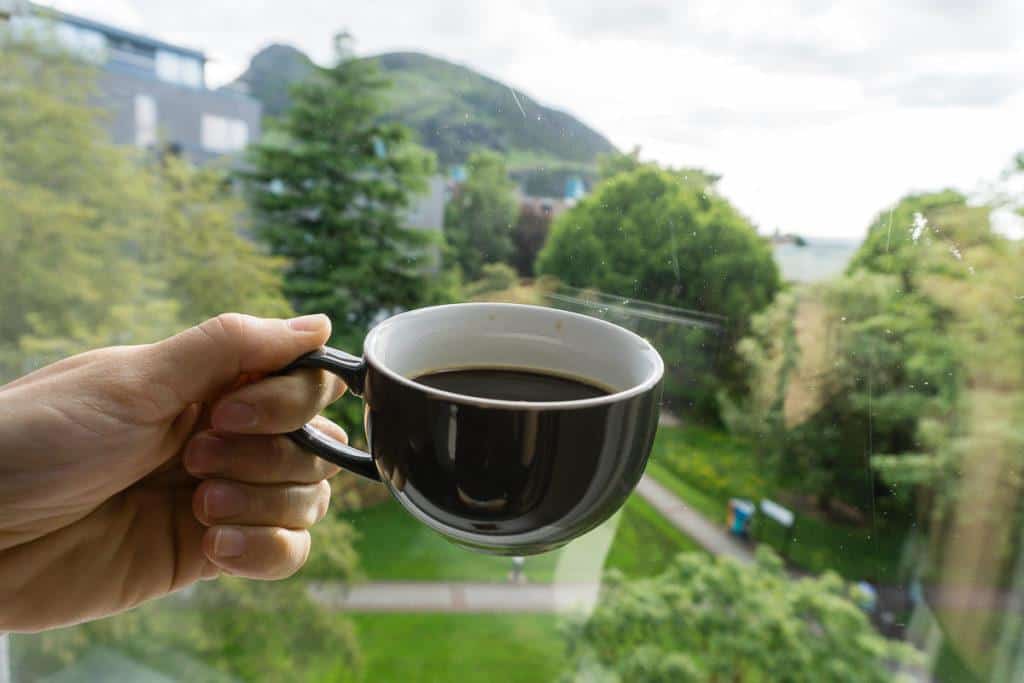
x: 393, y: 546
x: 706, y: 467
x: 439, y: 648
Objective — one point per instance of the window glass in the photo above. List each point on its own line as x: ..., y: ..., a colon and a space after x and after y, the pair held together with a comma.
x: 177, y: 68
x: 813, y: 211
x: 221, y: 134
x: 145, y: 121
x: 82, y: 41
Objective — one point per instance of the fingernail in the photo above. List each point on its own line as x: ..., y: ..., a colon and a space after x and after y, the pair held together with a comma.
x: 228, y: 543
x: 234, y: 415
x: 308, y: 323
x: 202, y: 456
x: 221, y: 501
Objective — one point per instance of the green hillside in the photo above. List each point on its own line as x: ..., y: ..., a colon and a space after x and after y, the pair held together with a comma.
x: 455, y: 109
x: 452, y: 108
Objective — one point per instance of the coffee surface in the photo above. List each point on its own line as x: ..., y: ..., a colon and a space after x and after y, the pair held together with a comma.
x: 511, y: 385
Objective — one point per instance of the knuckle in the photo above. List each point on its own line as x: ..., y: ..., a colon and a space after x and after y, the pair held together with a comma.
x: 290, y: 550
x: 224, y: 325
x: 281, y: 455
x: 323, y: 499
x: 310, y: 505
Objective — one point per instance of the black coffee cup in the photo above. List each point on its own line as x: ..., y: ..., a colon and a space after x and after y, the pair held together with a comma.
x: 506, y: 477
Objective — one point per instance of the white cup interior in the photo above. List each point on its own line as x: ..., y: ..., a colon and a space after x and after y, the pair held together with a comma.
x: 488, y: 335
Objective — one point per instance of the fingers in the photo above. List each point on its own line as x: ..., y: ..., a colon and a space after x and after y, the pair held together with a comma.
x: 201, y: 361
x: 257, y: 552
x: 292, y: 506
x: 259, y: 459
x: 277, y: 404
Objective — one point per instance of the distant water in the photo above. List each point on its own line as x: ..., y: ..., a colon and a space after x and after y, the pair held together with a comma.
x: 820, y: 259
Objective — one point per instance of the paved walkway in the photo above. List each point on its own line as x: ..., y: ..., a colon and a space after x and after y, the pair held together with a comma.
x: 414, y: 596
x: 408, y: 596
x: 709, y: 535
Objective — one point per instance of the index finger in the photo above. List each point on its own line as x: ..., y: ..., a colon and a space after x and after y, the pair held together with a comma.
x: 278, y: 404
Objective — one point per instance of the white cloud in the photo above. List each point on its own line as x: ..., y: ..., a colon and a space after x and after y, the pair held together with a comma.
x: 816, y: 113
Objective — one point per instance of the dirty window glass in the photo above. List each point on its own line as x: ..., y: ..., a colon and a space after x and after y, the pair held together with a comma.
x: 814, y: 212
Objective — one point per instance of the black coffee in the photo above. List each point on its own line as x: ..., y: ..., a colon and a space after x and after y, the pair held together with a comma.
x: 511, y: 385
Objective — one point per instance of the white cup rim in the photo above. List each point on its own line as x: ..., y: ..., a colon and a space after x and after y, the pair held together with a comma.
x: 657, y: 367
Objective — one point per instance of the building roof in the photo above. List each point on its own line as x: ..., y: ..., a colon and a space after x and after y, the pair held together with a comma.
x: 114, y: 32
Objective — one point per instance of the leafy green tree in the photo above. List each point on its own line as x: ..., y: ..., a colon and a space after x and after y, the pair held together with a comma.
x: 896, y: 238
x: 197, y: 249
x: 616, y: 163
x: 837, y: 370
x: 969, y: 466
x: 329, y: 186
x: 101, y: 246
x: 711, y: 620
x: 528, y: 238
x: 73, y: 207
x: 478, y: 220
x: 649, y: 234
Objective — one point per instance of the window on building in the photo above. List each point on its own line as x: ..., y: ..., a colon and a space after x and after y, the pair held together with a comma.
x: 177, y: 68
x: 222, y: 134
x: 145, y: 121
x: 84, y: 42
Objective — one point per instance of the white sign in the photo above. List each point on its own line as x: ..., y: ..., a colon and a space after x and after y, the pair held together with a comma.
x: 777, y: 512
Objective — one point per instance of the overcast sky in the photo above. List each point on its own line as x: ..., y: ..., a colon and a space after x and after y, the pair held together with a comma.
x: 816, y: 114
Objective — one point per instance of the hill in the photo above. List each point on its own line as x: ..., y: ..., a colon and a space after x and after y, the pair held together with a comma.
x: 272, y: 72
x: 452, y: 108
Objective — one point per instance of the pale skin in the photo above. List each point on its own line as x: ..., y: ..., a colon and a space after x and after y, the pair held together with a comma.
x: 130, y: 472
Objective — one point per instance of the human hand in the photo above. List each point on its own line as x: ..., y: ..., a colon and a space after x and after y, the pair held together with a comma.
x: 130, y: 472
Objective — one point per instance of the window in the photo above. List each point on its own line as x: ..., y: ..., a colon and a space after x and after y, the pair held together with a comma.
x: 84, y: 42
x: 174, y: 67
x: 145, y: 121
x: 795, y: 202
x: 221, y: 134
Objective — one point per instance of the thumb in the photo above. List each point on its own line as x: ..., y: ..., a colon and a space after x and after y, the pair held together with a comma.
x: 202, y: 361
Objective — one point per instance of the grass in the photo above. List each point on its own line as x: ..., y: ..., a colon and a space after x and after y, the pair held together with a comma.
x: 393, y: 546
x: 437, y: 648
x: 707, y: 467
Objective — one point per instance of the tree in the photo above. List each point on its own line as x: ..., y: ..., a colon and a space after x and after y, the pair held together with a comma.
x: 896, y: 238
x: 649, y: 234
x: 478, y: 220
x: 101, y: 246
x: 329, y: 187
x: 528, y: 238
x: 197, y: 249
x: 710, y: 620
x: 836, y: 370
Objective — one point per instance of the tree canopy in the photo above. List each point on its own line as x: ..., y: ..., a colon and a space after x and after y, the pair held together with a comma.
x: 102, y: 245
x: 712, y: 619
x: 650, y: 234
x: 479, y: 219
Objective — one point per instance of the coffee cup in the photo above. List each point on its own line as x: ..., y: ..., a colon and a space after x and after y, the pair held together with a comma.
x: 507, y: 428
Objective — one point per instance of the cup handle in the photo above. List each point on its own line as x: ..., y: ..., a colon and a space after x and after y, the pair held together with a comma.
x: 353, y: 371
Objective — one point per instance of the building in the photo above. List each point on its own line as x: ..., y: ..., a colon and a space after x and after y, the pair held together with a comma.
x: 155, y: 91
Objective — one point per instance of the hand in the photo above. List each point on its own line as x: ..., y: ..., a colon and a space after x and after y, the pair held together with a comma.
x: 130, y: 472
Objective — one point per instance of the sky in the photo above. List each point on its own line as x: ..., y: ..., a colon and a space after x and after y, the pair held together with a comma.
x: 816, y: 114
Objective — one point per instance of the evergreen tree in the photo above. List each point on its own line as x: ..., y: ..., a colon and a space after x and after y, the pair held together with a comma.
x: 329, y: 186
